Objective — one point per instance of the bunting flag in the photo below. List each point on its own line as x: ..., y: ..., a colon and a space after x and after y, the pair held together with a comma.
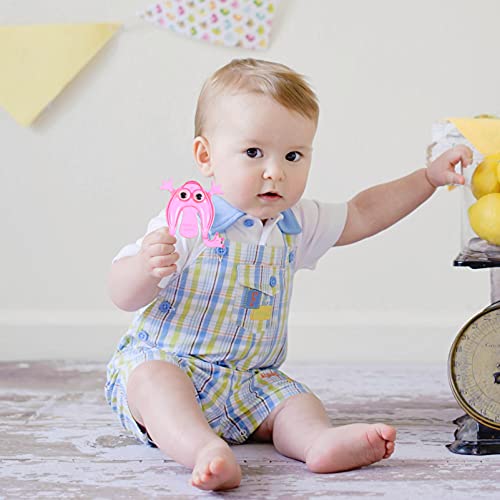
x: 38, y: 61
x: 233, y: 23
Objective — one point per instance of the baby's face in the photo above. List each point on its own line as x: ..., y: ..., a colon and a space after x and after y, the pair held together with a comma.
x: 260, y: 153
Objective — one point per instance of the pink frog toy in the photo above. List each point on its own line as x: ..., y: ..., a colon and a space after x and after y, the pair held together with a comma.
x: 195, y: 205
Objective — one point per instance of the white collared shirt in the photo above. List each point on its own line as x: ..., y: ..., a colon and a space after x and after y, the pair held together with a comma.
x: 321, y: 223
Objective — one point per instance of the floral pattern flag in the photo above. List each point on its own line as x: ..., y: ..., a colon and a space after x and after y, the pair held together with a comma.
x: 232, y: 23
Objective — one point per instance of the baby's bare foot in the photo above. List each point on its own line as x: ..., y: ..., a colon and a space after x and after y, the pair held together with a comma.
x: 216, y: 468
x: 350, y: 446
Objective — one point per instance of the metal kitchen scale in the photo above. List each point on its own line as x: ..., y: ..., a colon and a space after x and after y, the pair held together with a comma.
x: 474, y: 359
x: 474, y: 375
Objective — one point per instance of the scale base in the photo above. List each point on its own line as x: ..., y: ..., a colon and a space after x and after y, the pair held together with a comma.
x: 478, y: 254
x: 473, y: 438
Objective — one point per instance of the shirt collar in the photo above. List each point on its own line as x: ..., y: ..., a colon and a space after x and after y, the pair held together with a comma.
x: 226, y: 215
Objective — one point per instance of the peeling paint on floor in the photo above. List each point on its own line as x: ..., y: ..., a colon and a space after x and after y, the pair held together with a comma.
x: 58, y: 439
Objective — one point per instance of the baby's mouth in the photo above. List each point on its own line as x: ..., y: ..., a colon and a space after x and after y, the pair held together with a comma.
x: 270, y: 195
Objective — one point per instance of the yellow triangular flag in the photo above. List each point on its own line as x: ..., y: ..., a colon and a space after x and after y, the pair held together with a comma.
x: 37, y: 62
x: 483, y: 133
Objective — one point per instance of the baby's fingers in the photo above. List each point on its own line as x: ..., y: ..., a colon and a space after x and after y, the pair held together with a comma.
x: 454, y: 178
x: 164, y: 260
x: 163, y: 272
x: 461, y: 154
x: 159, y: 249
x: 161, y: 235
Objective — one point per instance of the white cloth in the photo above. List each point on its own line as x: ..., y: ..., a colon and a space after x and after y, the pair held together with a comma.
x: 321, y: 223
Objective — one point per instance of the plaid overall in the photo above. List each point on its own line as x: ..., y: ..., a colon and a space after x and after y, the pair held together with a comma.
x: 223, y: 321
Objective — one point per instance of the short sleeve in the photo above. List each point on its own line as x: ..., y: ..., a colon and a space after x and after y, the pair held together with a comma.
x: 322, y: 225
x: 188, y: 249
x: 133, y: 248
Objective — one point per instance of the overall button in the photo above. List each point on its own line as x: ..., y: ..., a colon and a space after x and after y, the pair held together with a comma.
x: 248, y: 222
x: 165, y: 306
x: 221, y: 251
x: 273, y: 281
x: 291, y: 256
x: 142, y: 335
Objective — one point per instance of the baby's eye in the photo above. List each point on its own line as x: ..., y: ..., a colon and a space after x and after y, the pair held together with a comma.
x: 254, y: 153
x: 293, y: 156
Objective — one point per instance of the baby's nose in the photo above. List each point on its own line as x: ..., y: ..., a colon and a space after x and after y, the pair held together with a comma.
x: 274, y: 170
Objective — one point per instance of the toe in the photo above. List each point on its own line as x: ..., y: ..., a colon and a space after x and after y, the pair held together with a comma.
x: 216, y: 466
x: 389, y: 449
x: 388, y: 433
x: 385, y: 431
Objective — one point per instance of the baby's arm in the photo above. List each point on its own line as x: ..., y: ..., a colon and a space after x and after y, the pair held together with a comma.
x: 133, y: 281
x: 379, y: 207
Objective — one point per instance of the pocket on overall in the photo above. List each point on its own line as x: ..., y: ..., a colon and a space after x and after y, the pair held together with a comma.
x: 257, y: 297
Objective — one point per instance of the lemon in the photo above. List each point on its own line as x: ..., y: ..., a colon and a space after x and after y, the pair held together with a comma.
x: 498, y: 172
x: 485, y: 179
x: 484, y: 217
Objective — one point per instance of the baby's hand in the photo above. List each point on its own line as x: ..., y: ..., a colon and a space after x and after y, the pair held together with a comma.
x: 442, y: 170
x: 158, y: 253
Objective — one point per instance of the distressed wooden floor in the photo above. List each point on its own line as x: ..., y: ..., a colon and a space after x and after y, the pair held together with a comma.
x: 58, y: 439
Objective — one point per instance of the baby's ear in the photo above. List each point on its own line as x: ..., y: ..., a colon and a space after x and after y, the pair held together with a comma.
x: 201, y: 151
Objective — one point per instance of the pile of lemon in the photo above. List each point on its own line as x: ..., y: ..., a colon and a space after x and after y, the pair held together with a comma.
x: 484, y: 215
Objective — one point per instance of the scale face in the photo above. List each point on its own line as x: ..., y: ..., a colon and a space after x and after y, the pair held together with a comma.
x: 474, y: 367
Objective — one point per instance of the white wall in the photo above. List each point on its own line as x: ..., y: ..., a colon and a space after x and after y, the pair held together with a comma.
x: 84, y: 179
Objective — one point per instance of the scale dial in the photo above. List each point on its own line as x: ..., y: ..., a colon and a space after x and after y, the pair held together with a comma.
x: 474, y: 367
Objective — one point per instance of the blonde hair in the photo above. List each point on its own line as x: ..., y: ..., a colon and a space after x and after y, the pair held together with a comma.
x: 277, y: 81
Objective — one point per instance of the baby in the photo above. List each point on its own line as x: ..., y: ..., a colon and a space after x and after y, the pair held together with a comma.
x: 199, y: 366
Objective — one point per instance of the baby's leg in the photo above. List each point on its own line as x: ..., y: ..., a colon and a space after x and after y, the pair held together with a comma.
x: 302, y: 430
x: 161, y: 397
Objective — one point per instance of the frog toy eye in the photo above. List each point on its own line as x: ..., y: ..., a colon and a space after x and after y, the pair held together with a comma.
x: 199, y: 196
x: 184, y: 195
